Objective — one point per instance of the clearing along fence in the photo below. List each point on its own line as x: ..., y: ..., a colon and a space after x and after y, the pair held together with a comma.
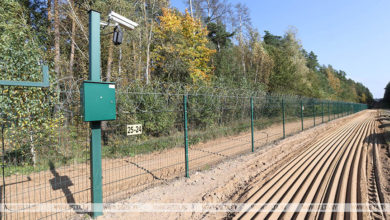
x: 45, y: 150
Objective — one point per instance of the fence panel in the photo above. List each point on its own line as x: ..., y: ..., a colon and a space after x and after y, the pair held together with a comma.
x: 45, y: 143
x: 268, y: 120
x: 133, y: 162
x: 218, y: 128
x: 293, y: 123
x: 45, y: 156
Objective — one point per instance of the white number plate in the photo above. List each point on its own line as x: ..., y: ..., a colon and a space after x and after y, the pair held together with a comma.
x: 134, y: 129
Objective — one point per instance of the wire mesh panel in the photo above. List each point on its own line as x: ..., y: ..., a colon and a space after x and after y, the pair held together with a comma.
x: 292, y: 108
x: 134, y: 161
x: 307, y: 106
x: 44, y: 156
x: 268, y: 120
x: 218, y: 128
x: 328, y: 111
x: 46, y: 145
x: 321, y: 115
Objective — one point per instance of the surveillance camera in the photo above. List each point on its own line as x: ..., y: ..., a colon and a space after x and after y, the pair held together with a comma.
x: 127, y: 23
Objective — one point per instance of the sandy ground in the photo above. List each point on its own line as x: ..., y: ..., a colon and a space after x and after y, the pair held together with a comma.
x: 224, y: 182
x: 123, y: 177
x: 383, y: 163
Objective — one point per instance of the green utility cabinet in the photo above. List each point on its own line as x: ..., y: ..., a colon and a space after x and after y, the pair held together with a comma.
x: 98, y: 100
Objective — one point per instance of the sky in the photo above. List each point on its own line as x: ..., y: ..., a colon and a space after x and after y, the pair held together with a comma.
x: 350, y: 35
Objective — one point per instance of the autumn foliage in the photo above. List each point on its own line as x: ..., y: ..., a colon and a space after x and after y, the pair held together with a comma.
x: 182, y: 44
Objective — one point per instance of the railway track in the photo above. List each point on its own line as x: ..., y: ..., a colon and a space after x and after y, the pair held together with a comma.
x: 329, y: 171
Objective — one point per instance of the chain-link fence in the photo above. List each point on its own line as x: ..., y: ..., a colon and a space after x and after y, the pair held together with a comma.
x: 45, y: 153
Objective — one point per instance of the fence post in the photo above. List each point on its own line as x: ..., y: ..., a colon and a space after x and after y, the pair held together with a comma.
x: 314, y: 112
x: 302, y: 114
x: 322, y: 111
x: 253, y: 139
x: 328, y: 111
x: 284, y: 130
x: 344, y: 108
x: 185, y: 135
x: 350, y: 108
x: 339, y: 111
x: 96, y: 149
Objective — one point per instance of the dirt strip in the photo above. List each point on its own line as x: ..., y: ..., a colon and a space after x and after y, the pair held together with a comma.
x: 329, y: 171
x: 228, y: 181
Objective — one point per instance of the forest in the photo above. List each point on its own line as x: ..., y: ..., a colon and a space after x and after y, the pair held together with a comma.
x: 211, y: 51
x: 212, y: 44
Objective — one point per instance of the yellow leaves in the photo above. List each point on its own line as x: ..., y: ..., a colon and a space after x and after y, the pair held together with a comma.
x: 334, y: 82
x: 363, y: 98
x: 170, y: 21
x: 182, y: 38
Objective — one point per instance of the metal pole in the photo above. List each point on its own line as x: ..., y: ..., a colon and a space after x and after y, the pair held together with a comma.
x: 322, y: 111
x: 314, y: 112
x: 302, y: 114
x: 328, y: 110
x: 338, y: 110
x: 253, y: 139
x: 96, y: 149
x: 344, y: 109
x: 284, y: 129
x: 350, y: 108
x: 185, y: 134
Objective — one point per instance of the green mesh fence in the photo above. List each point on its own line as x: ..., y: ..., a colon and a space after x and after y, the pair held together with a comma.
x: 47, y: 161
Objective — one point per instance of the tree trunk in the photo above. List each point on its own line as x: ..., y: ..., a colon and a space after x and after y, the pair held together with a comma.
x: 49, y: 26
x: 147, y: 69
x: 208, y: 9
x: 72, y: 46
x: 242, y: 46
x: 192, y: 15
x: 109, y: 61
x: 257, y: 72
x: 56, y: 39
x: 149, y: 39
x: 34, y: 156
x: 134, y: 59
x: 119, y: 61
x: 108, y: 79
x: 140, y: 56
x: 49, y: 16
